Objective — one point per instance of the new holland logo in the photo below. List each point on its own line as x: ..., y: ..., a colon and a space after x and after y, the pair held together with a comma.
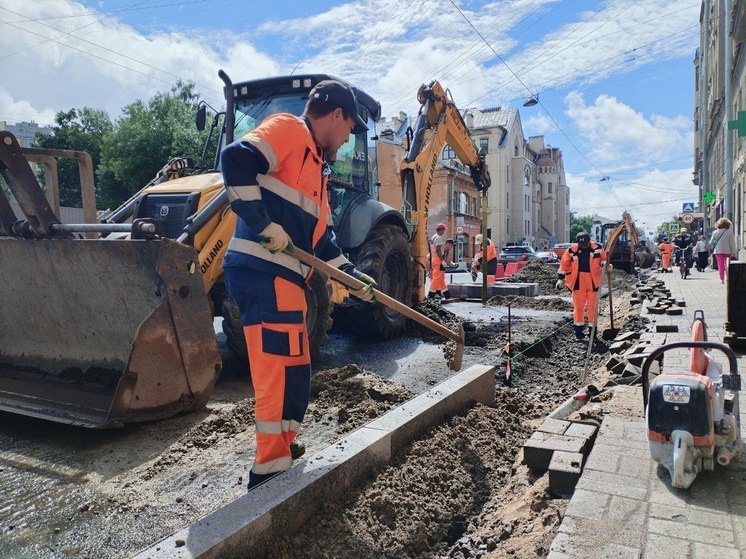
x: 164, y: 211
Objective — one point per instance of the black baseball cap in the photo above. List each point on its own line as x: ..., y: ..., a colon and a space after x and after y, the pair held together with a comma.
x: 583, y: 237
x: 340, y: 95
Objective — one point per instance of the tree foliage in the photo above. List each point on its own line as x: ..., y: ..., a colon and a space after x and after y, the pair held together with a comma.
x: 145, y: 138
x: 579, y: 223
x: 77, y: 129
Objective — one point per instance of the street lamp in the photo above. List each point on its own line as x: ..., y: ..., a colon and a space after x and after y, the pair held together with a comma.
x: 531, y: 101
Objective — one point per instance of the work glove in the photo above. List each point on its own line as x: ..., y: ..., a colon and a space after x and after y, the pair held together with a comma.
x: 365, y: 293
x: 274, y: 238
x: 339, y: 292
x: 560, y: 281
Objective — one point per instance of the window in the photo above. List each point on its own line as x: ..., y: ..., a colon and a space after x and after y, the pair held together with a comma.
x: 515, y: 150
x: 507, y: 200
x: 448, y: 153
x: 549, y: 187
x: 463, y: 203
x: 526, y: 177
x: 484, y: 144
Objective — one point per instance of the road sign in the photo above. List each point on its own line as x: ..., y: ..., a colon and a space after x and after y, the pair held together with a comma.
x: 687, y: 218
x: 459, y: 229
x: 673, y: 228
x: 688, y: 207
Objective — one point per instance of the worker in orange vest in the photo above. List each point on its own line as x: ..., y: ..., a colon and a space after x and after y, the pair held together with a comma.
x: 580, y: 272
x: 439, y: 261
x: 491, y: 257
x: 666, y: 250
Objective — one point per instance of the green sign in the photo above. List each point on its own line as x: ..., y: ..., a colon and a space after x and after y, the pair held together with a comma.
x: 739, y: 124
x: 708, y: 197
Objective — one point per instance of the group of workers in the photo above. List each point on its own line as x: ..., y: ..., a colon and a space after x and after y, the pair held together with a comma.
x: 276, y: 181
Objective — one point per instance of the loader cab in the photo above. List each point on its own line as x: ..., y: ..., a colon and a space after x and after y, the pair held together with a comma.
x: 350, y: 176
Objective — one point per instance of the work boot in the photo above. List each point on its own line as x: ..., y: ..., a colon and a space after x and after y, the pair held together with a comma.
x: 579, y: 331
x: 255, y: 480
x: 297, y: 449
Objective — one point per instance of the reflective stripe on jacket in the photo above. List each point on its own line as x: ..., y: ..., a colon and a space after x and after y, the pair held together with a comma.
x: 570, y: 264
x: 292, y: 193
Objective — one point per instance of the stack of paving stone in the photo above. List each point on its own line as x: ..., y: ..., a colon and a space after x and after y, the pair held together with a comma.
x: 629, y: 351
x: 561, y: 447
x: 659, y: 297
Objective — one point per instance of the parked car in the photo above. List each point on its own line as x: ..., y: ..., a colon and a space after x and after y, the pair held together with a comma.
x: 559, y: 249
x: 548, y: 257
x: 515, y: 253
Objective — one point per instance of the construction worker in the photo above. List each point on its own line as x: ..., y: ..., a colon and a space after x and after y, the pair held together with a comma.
x: 580, y: 272
x: 666, y: 249
x: 438, y: 263
x: 276, y: 177
x: 476, y: 263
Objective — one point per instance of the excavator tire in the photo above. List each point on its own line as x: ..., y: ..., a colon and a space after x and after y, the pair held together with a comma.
x: 387, y: 257
x: 318, y: 319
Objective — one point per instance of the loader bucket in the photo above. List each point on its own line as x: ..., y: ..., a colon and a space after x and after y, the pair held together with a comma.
x: 99, y: 333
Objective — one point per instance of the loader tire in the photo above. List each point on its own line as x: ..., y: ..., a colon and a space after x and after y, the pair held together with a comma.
x: 318, y: 318
x: 387, y: 257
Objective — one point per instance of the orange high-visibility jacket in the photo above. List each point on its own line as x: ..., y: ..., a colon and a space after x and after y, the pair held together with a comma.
x: 570, y: 264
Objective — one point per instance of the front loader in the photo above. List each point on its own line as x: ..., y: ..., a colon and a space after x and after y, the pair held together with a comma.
x: 96, y: 333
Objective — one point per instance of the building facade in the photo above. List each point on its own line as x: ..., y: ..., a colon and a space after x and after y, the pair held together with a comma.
x: 528, y: 201
x: 25, y: 131
x: 720, y: 98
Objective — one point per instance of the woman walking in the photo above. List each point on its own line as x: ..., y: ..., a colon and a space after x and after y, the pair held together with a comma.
x: 723, y: 245
x: 702, y: 253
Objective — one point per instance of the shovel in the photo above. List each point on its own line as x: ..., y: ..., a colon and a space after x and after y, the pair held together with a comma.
x: 611, y: 332
x: 454, y: 356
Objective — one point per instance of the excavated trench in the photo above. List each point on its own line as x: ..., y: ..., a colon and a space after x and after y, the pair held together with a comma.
x: 459, y: 491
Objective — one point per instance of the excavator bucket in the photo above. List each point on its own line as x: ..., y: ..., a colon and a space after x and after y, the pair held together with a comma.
x: 99, y: 333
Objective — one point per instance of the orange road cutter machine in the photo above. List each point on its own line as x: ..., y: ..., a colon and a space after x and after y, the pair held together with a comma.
x: 692, y: 416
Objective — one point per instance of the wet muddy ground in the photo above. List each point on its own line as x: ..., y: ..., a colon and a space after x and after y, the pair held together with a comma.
x: 459, y: 492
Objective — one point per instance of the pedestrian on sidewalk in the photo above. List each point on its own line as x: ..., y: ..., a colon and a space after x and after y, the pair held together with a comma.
x: 580, y: 272
x: 723, y: 245
x: 702, y: 254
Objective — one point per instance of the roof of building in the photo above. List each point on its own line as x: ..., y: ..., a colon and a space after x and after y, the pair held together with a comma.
x: 492, y: 117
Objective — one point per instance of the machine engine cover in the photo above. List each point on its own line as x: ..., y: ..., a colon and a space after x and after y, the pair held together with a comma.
x: 681, y: 401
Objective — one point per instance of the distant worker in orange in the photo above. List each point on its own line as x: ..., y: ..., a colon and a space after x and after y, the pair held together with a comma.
x: 580, y: 272
x: 666, y: 250
x: 438, y: 263
x: 491, y: 257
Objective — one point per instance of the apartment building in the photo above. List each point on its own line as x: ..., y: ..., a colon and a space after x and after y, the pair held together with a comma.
x: 720, y: 114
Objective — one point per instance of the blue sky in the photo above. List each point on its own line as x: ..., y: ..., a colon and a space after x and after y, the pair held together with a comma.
x: 614, y: 77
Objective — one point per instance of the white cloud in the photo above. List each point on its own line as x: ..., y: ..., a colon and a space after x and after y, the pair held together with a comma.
x: 616, y: 134
x: 651, y: 198
x: 62, y: 61
x: 10, y: 110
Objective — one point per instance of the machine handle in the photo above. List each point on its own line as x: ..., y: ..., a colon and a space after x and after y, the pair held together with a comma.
x: 735, y: 385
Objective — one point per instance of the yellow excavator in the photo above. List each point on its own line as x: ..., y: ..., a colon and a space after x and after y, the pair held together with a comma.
x: 622, y: 243
x: 100, y: 332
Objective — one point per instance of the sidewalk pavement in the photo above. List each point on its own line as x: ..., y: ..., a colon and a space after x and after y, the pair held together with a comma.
x: 624, y: 506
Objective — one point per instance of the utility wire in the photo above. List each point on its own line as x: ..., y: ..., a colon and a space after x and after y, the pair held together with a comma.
x: 541, y: 104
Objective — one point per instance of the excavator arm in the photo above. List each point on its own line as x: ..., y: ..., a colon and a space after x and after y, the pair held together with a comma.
x: 438, y: 123
x: 628, y: 256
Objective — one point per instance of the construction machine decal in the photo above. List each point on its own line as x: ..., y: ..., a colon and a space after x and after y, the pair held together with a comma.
x: 211, y: 257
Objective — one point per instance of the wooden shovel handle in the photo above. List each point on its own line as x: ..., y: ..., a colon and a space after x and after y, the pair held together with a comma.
x: 390, y: 302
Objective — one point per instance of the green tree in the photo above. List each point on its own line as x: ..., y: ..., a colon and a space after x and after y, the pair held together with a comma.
x: 146, y: 137
x: 77, y: 129
x: 579, y: 223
